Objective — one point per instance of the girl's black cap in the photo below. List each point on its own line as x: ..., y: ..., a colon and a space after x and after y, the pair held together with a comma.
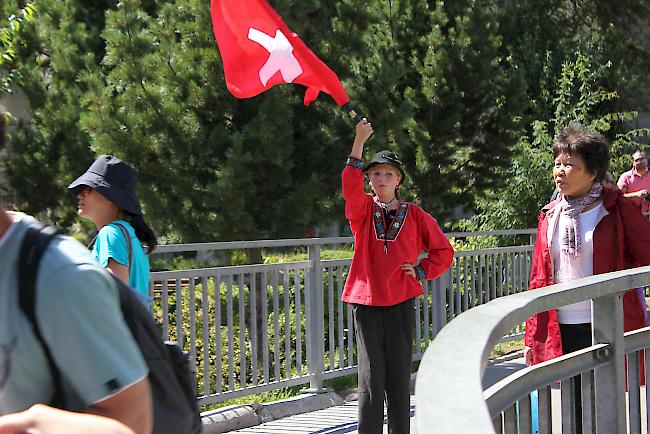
x: 386, y: 157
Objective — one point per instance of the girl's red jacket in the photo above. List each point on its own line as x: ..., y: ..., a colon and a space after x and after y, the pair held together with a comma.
x: 381, y: 247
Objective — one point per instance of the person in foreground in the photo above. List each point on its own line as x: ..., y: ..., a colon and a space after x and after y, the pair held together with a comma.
x: 43, y: 419
x: 77, y: 310
x: 588, y: 230
x: 383, y: 281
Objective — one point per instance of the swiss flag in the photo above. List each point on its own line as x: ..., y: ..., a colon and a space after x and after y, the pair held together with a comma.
x: 259, y: 51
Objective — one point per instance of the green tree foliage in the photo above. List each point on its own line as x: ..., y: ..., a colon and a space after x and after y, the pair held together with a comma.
x: 213, y: 167
x: 450, y: 123
x: 581, y: 96
x: 450, y: 85
x: 44, y: 155
x: 149, y: 87
x: 8, y: 42
x: 580, y: 61
x: 556, y: 29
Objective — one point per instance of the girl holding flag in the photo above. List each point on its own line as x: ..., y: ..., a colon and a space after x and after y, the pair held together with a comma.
x: 384, y: 279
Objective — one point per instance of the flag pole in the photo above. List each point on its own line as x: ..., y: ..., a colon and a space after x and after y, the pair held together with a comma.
x: 356, y: 117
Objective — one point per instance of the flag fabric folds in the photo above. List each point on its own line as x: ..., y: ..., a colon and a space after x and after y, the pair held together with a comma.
x: 259, y: 51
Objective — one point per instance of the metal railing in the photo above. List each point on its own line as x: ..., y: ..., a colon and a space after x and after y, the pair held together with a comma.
x: 451, y: 370
x: 255, y: 328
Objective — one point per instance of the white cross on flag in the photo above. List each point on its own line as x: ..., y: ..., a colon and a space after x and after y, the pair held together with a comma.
x: 258, y: 51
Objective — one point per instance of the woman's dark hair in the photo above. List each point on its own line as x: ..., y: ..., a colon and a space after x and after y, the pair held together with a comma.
x: 144, y: 233
x: 593, y: 147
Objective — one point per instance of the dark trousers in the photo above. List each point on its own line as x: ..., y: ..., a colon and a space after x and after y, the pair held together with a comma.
x: 384, y: 345
x: 576, y: 337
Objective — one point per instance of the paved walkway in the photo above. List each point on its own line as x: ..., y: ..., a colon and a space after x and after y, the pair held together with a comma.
x: 338, y: 419
x: 343, y: 418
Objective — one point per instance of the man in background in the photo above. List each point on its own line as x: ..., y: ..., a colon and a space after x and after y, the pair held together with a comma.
x: 635, y: 183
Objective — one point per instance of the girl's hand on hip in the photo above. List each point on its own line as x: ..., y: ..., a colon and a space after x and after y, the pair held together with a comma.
x: 409, y: 269
x: 528, y: 356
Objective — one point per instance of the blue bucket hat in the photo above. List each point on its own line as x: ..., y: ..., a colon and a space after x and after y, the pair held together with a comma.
x: 114, y: 179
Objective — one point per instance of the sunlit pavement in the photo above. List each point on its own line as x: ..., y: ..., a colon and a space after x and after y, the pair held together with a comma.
x: 343, y: 418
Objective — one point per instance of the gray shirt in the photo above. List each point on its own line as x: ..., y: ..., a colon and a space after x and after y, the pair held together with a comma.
x: 77, y: 308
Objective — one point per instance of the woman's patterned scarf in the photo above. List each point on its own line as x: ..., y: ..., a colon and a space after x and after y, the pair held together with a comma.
x: 570, y: 243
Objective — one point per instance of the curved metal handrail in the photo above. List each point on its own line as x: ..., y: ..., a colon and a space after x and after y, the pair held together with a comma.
x: 498, y: 396
x: 449, y: 380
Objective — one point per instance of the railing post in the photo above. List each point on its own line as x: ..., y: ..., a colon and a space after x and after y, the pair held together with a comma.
x: 446, y: 287
x: 609, y: 380
x: 316, y: 332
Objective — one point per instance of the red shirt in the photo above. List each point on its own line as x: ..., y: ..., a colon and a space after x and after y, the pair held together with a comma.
x: 621, y: 241
x: 375, y: 276
x: 631, y: 181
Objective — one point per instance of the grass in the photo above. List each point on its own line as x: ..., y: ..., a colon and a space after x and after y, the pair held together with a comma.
x: 185, y: 261
x: 325, y: 254
x: 274, y: 395
x: 506, y: 348
x: 335, y: 384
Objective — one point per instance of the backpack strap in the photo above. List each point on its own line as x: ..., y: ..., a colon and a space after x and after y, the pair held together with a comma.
x: 91, y: 244
x: 127, y: 238
x: 35, y: 242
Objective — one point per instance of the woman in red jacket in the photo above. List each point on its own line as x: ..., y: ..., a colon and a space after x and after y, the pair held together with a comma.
x: 588, y: 230
x: 389, y: 236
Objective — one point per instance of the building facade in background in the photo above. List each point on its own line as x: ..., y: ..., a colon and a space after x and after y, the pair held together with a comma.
x: 15, y: 103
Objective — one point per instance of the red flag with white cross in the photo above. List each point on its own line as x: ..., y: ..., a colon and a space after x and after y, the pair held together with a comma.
x: 259, y: 51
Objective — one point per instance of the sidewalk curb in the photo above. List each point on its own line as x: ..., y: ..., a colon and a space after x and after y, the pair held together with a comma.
x: 506, y: 357
x: 229, y: 418
x: 236, y: 417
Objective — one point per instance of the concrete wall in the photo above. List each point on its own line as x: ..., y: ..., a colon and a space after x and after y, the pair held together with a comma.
x: 15, y: 103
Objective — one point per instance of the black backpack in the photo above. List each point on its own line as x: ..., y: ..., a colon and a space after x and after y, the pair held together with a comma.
x: 172, y: 380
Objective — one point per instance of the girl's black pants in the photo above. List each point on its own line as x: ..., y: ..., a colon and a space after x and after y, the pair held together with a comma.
x: 385, y: 346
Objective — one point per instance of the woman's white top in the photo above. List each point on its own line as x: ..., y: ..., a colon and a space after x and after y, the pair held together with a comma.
x: 577, y: 313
